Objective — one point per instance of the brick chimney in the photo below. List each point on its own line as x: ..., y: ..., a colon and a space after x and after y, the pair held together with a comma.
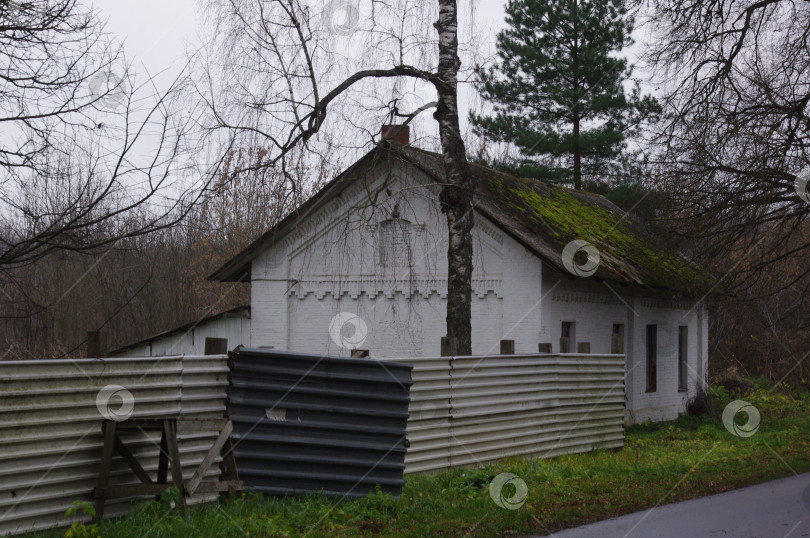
x: 399, y: 135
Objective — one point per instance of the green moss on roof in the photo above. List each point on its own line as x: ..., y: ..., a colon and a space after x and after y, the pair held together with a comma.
x: 546, y: 218
x: 558, y: 216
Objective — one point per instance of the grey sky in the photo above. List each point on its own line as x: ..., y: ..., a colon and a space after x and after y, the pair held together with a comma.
x: 158, y: 34
x: 155, y: 32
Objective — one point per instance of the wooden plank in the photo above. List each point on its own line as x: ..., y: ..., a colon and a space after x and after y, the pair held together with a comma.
x: 219, y: 487
x: 170, y: 427
x: 146, y: 424
x: 163, y: 461
x: 140, y: 427
x: 213, y: 452
x: 130, y: 490
x: 201, y: 424
x: 109, y: 427
x: 121, y: 448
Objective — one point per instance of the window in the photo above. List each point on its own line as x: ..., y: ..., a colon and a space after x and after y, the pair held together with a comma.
x: 567, y: 337
x: 652, y: 358
x: 683, y: 341
x: 617, y: 339
x: 394, y: 242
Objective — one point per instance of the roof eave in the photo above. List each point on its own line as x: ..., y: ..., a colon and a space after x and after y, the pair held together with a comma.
x: 245, y: 308
x: 230, y: 272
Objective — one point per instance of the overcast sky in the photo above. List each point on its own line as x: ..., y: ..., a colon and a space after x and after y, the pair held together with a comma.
x: 156, y: 32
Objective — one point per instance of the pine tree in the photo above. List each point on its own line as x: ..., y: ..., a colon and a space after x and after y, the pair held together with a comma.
x: 558, y: 88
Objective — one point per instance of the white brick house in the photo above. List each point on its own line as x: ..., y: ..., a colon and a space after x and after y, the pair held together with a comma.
x: 372, y: 245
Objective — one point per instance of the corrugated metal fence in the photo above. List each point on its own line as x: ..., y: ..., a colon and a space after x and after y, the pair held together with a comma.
x: 50, y: 427
x: 314, y: 423
x: 300, y: 422
x: 472, y: 410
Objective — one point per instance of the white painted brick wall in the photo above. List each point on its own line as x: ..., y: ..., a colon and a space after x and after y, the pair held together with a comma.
x: 235, y: 329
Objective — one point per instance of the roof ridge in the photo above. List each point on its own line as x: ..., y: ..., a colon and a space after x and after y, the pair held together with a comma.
x: 504, y: 173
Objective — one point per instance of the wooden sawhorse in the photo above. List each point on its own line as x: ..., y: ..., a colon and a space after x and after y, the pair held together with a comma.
x: 169, y: 454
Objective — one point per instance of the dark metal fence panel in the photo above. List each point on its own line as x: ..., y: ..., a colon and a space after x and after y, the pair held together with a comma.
x: 309, y: 423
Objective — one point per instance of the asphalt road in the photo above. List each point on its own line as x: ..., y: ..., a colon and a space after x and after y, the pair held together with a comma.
x: 776, y: 509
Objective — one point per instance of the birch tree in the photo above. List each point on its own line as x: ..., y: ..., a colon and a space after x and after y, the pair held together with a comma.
x: 281, y: 74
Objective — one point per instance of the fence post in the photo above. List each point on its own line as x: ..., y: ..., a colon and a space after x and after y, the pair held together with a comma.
x: 507, y: 347
x: 445, y: 350
x: 94, y: 344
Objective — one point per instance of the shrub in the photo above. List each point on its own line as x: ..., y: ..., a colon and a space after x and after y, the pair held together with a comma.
x: 79, y: 529
x: 699, y: 404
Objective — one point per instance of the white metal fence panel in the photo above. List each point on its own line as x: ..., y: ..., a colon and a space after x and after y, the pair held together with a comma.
x: 474, y: 410
x: 50, y: 427
x: 429, y: 421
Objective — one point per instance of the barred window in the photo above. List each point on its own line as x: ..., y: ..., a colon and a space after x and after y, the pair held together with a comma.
x: 395, y: 243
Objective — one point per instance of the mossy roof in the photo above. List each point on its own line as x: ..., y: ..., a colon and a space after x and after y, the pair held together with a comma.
x: 543, y: 217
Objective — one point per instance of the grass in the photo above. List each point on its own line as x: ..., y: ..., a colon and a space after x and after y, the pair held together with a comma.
x: 660, y: 463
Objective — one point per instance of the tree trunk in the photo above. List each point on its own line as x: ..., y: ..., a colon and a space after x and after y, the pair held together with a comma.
x: 577, y: 155
x: 457, y: 196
